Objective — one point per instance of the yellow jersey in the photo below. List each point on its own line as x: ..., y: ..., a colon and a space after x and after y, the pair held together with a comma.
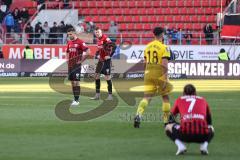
x: 155, y: 51
x: 153, y: 76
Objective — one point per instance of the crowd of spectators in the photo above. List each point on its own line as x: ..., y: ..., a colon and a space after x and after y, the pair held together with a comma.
x: 177, y: 36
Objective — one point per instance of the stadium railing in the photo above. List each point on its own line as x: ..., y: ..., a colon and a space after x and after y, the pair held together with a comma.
x: 135, y: 38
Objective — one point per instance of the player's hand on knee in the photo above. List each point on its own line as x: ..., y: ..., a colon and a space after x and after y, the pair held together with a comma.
x: 211, y: 127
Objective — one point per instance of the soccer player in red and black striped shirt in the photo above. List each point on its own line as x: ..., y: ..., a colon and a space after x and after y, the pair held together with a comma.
x: 104, y: 53
x: 195, y: 121
x: 77, y: 52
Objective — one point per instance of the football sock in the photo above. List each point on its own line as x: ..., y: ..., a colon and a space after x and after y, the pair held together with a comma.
x: 141, y: 107
x: 109, y: 82
x: 76, y: 92
x: 179, y: 144
x: 166, y: 112
x: 98, y: 85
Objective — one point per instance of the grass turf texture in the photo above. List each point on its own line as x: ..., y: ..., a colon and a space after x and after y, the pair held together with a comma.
x: 29, y: 129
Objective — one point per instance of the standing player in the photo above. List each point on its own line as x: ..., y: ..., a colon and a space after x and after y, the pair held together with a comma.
x: 156, y: 57
x: 77, y: 52
x: 105, y: 50
x: 195, y: 123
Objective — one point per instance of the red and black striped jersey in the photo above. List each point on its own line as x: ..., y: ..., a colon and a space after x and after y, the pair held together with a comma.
x: 194, y: 113
x: 101, y: 43
x: 75, y: 50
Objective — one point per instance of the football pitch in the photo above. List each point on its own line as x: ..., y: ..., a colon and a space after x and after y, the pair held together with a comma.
x: 30, y: 129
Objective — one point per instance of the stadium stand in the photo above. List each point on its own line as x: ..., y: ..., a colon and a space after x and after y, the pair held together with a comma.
x: 139, y: 16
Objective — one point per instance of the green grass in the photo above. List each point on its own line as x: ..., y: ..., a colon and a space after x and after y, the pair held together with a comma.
x: 30, y: 130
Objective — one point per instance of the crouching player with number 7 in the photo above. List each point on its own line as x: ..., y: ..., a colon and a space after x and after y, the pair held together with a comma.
x: 195, y: 121
x: 77, y: 52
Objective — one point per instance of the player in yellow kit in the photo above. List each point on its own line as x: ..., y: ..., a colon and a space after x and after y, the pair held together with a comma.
x: 156, y: 56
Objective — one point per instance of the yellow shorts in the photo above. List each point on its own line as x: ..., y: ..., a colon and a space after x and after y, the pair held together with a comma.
x: 153, y: 84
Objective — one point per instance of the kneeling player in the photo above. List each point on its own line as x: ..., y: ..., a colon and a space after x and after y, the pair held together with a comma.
x: 195, y: 123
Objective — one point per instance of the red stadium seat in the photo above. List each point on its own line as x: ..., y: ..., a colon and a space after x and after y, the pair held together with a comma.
x: 120, y: 19
x: 180, y: 3
x: 108, y: 4
x: 203, y: 19
x: 189, y: 3
x: 164, y: 4
x: 148, y: 4
x: 208, y: 10
x: 205, y: 4
x: 178, y: 19
x: 83, y: 4
x: 195, y: 19
x: 147, y: 26
x: 175, y: 11
x: 132, y: 4
x: 156, y: 4
x: 123, y: 26
x: 145, y: 19
x: 128, y: 19
x: 136, y: 19
x: 138, y: 26
x: 153, y: 19
x: 197, y: 3
x: 172, y: 3
x: 140, y: 4
x: 191, y: 11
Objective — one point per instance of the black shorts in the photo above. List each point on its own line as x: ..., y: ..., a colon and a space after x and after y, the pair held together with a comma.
x: 74, y: 74
x: 104, y: 67
x: 189, y: 138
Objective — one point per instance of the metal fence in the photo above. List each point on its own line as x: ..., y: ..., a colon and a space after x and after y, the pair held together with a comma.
x: 134, y: 38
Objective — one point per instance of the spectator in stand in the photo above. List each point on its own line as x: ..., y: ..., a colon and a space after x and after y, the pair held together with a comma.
x: 90, y: 26
x: 9, y: 22
x: 66, y: 4
x: 113, y: 31
x: 2, y: 15
x: 3, y: 7
x: 8, y: 3
x: 62, y: 33
x: 180, y: 35
x: 174, y: 36
x: 1, y: 53
x: 227, y: 2
x: 46, y: 31
x: 38, y: 31
x: 17, y: 20
x: 79, y: 27
x: 41, y: 4
x: 53, y: 33
x: 188, y: 36
x: 30, y: 35
x: 208, y: 31
x: 166, y: 35
x: 24, y: 15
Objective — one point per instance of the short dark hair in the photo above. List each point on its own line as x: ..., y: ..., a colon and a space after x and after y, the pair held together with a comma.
x: 27, y: 47
x: 222, y: 50
x: 189, y: 89
x: 158, y: 31
x: 97, y: 28
x: 71, y: 29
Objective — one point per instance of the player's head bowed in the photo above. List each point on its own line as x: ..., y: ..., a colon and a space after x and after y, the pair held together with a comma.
x: 189, y: 90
